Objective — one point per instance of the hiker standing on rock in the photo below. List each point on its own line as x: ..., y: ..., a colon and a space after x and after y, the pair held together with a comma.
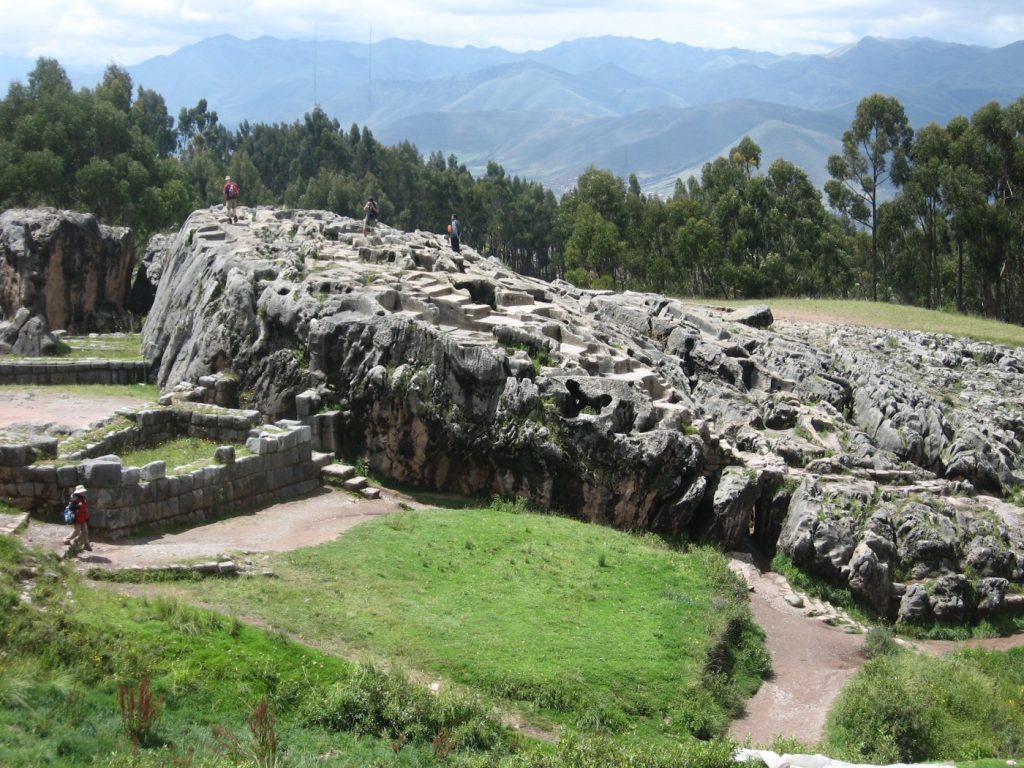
x: 80, y: 508
x: 372, y: 210
x: 231, y: 190
x: 455, y: 232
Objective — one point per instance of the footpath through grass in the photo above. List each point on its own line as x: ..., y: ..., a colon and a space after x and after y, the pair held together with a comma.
x: 884, y: 315
x: 581, y: 625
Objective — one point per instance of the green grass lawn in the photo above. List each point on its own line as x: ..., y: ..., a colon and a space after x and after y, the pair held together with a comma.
x: 184, y: 452
x: 75, y: 652
x: 585, y: 625
x: 107, y: 346
x: 884, y: 315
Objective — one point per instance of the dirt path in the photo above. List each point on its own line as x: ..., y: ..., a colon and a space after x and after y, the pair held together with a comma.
x: 812, y: 660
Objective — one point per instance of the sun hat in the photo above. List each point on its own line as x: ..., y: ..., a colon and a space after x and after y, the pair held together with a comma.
x: 79, y: 491
x: 227, y: 178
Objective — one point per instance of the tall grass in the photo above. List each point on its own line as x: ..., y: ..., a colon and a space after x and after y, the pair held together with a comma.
x: 907, y: 707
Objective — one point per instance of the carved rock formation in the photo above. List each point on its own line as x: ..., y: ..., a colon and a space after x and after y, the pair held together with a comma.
x: 858, y: 452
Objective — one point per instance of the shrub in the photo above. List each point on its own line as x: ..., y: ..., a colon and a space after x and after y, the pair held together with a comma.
x: 909, y: 708
x: 879, y: 642
x: 139, y: 712
x: 378, y: 703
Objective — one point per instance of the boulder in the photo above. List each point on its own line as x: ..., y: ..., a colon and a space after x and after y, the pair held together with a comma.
x: 64, y: 266
x: 756, y: 316
x: 951, y: 599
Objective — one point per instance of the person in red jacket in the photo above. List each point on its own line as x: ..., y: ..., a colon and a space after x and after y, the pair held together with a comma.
x: 80, y: 506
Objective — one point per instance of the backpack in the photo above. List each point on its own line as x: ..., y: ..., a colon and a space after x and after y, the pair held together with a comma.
x: 232, y: 190
x: 69, y: 515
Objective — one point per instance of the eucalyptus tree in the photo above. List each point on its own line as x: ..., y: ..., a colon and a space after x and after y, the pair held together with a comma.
x: 875, y: 154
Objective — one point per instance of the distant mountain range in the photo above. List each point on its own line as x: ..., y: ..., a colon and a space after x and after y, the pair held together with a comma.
x: 658, y: 109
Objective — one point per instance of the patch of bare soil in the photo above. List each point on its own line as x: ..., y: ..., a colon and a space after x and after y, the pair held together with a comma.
x: 39, y: 406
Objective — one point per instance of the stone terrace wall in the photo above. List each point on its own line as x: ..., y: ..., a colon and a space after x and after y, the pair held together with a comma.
x: 159, y: 425
x: 124, y: 499
x: 80, y: 372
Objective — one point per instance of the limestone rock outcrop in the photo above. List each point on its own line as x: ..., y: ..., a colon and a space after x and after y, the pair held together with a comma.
x: 66, y: 267
x: 860, y: 454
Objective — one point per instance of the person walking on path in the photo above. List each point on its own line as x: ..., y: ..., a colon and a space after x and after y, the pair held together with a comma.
x: 231, y: 190
x: 80, y: 507
x: 455, y: 232
x: 372, y: 210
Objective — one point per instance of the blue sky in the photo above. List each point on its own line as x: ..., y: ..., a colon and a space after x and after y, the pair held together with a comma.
x: 97, y: 32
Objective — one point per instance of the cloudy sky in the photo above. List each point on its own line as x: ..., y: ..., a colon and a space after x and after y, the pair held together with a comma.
x: 97, y: 32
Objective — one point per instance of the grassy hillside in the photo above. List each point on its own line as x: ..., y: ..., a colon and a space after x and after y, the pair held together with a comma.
x: 630, y: 645
x: 575, y: 624
x: 883, y: 315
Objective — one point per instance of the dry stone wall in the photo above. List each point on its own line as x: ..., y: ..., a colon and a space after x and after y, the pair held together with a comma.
x: 78, y: 372
x: 279, y: 464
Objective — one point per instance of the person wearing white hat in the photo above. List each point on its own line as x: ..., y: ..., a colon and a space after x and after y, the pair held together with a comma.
x: 80, y: 507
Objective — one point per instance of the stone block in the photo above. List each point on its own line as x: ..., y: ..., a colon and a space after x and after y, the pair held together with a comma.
x: 153, y: 471
x: 339, y: 472
x: 306, y: 403
x: 67, y: 477
x: 43, y: 474
x: 14, y: 455
x: 225, y: 454
x: 100, y: 473
x: 131, y: 476
x: 356, y: 483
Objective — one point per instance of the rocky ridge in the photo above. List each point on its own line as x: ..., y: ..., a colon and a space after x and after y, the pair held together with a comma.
x: 877, y: 460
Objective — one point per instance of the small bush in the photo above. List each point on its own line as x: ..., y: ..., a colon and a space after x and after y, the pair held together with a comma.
x: 378, y: 703
x: 139, y: 712
x: 879, y: 641
x: 908, y: 707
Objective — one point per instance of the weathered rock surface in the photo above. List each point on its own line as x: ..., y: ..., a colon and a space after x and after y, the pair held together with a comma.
x: 26, y: 335
x: 64, y: 266
x: 858, y: 453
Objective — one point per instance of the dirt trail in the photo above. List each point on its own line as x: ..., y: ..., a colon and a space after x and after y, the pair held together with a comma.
x: 812, y: 660
x: 41, y: 406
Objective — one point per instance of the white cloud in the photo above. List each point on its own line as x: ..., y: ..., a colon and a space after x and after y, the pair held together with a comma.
x: 99, y: 31
x: 189, y: 14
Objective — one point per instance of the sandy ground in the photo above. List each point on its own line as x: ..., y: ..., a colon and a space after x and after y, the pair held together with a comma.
x: 38, y: 406
x: 811, y: 659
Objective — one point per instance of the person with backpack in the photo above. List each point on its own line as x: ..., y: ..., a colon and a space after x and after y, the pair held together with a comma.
x: 77, y: 511
x: 372, y: 211
x: 231, y: 191
x: 455, y: 232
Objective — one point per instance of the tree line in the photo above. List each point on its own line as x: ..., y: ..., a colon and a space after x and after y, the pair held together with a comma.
x: 931, y: 218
